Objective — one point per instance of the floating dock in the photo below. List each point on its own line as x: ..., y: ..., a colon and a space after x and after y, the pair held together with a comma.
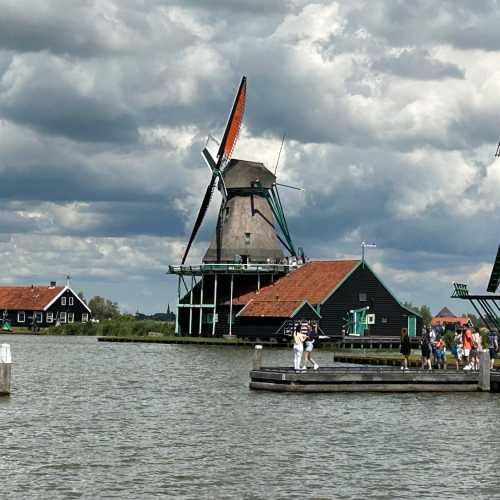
x: 372, y: 379
x: 363, y: 379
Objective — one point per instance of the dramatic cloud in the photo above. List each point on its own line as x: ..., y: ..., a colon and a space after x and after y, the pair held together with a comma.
x: 390, y: 110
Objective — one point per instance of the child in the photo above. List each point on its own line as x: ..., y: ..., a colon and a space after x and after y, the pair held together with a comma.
x: 441, y: 353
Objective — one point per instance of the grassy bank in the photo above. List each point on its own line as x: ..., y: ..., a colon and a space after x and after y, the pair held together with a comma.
x: 122, y: 327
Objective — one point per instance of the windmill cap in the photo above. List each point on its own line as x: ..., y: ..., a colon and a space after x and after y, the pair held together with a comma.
x: 243, y: 174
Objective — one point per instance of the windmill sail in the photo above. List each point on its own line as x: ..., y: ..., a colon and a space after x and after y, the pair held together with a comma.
x: 233, y: 125
x: 224, y: 153
x: 201, y: 215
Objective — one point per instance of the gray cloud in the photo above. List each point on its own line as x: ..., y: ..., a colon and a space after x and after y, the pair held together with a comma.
x: 389, y: 114
x: 418, y: 65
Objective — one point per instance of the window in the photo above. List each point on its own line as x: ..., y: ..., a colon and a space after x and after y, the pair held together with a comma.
x: 247, y: 238
x: 209, y: 318
x: 71, y: 317
x: 70, y: 301
x: 63, y: 301
x: 39, y: 317
x: 62, y: 317
x: 50, y: 317
x: 85, y: 317
x: 363, y: 297
x: 21, y: 317
x: 384, y: 320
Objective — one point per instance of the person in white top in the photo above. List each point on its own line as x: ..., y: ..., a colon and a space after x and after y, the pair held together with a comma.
x: 476, y: 350
x: 312, y: 335
x: 298, y: 347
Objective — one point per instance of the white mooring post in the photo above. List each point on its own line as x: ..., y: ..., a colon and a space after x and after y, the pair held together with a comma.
x: 257, y: 357
x: 484, y: 370
x: 231, y: 307
x: 5, y: 369
x: 215, y: 305
x: 201, y: 306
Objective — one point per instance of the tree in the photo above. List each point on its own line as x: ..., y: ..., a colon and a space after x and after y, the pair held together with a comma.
x: 426, y: 314
x: 424, y: 311
x: 103, y: 308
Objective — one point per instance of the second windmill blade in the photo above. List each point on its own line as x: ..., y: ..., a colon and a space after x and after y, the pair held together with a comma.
x: 201, y: 215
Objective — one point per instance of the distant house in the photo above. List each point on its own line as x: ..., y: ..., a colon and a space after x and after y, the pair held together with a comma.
x: 42, y: 306
x: 448, y: 320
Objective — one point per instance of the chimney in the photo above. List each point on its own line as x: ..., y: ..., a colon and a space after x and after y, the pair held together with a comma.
x: 52, y: 284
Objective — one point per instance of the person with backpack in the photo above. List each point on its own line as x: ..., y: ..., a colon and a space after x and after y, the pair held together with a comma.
x: 425, y: 348
x: 405, y: 348
x: 493, y: 347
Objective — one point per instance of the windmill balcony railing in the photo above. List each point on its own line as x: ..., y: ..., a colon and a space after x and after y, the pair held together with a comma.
x: 232, y: 268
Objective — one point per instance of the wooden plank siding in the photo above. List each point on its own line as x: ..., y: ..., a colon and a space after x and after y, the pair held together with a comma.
x: 381, y: 302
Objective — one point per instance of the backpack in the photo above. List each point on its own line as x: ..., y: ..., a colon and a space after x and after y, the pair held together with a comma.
x: 493, y: 341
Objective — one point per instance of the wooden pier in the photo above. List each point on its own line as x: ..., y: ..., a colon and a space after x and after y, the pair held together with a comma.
x: 5, y: 369
x: 372, y: 379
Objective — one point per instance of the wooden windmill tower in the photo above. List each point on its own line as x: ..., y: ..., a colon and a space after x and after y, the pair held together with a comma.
x: 251, y: 226
x: 246, y: 251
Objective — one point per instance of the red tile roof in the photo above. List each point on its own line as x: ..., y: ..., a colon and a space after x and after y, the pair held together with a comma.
x: 26, y: 297
x: 274, y: 308
x: 312, y: 282
x: 458, y: 320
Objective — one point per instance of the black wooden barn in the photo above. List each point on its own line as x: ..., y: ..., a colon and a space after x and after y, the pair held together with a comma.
x: 41, y: 306
x: 321, y: 291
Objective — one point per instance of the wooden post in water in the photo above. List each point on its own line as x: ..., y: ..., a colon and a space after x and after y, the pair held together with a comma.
x: 5, y: 369
x: 257, y: 357
x: 484, y: 371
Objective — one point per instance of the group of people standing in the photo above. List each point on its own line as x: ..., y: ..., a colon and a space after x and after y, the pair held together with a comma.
x: 466, y: 348
x: 433, y: 348
x: 468, y: 345
x: 304, y: 337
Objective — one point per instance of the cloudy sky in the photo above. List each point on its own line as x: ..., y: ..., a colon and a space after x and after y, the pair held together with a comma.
x: 391, y: 110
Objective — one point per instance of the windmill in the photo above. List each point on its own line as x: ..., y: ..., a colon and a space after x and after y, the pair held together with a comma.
x: 251, y: 225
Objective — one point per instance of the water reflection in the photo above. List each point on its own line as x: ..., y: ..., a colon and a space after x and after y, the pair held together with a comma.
x: 143, y: 421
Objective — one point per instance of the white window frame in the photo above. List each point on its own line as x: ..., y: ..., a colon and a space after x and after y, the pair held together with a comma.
x: 71, y: 317
x: 71, y: 301
x: 38, y: 317
x: 85, y: 317
x: 62, y: 317
x: 49, y: 317
x: 63, y: 301
x: 19, y: 320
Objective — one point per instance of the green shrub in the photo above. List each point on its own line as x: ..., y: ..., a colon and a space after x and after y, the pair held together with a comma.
x: 134, y: 328
x: 449, y: 338
x: 125, y: 327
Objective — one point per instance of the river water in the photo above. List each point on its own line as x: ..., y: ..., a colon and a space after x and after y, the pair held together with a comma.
x: 141, y: 421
